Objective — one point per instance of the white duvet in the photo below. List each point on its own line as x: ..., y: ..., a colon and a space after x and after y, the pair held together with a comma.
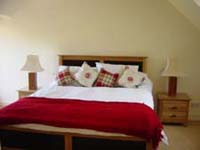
x: 143, y: 94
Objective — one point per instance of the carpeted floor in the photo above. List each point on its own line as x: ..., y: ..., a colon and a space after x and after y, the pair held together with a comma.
x: 182, y: 138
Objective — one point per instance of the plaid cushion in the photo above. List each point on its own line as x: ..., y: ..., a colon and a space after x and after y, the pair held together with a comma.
x: 106, y: 78
x: 64, y: 77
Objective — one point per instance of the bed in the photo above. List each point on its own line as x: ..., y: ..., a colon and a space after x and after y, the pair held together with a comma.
x: 67, y: 135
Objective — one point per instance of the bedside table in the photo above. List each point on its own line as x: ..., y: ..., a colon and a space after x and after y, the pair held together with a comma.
x: 1, y: 105
x: 173, y: 109
x: 25, y: 92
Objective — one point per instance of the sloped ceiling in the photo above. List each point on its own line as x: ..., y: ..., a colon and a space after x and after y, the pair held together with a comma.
x: 190, y: 9
x: 9, y: 7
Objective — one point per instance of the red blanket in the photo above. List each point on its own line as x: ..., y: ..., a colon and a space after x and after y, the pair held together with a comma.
x: 128, y: 118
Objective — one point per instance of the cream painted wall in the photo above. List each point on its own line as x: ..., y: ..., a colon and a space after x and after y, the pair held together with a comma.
x: 152, y: 28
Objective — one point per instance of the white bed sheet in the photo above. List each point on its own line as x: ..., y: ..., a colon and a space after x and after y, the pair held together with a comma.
x: 143, y: 94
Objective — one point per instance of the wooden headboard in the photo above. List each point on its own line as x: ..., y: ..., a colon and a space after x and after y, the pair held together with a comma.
x: 77, y: 60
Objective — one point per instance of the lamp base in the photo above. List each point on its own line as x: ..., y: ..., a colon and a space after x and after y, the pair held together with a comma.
x: 172, y: 86
x: 32, y: 80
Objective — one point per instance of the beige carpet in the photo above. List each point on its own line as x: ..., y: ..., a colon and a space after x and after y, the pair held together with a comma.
x: 182, y: 138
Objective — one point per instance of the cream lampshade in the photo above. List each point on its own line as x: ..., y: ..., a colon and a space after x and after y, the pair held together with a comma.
x: 171, y: 70
x: 32, y: 65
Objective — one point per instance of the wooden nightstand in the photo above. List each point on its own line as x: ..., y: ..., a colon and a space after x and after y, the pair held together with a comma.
x: 1, y: 105
x: 25, y: 92
x: 173, y: 109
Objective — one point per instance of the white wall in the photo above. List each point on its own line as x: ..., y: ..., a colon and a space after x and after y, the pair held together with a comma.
x: 152, y: 28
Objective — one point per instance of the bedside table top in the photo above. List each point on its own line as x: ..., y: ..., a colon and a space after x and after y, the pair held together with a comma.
x: 26, y: 90
x: 178, y: 96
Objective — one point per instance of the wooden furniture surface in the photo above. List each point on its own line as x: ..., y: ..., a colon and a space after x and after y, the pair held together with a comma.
x: 1, y: 105
x: 68, y: 137
x: 77, y: 60
x: 24, y: 92
x: 173, y: 109
x: 32, y: 81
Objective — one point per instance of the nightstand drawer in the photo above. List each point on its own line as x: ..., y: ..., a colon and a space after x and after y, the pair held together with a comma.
x: 173, y: 109
x: 174, y: 117
x: 174, y: 105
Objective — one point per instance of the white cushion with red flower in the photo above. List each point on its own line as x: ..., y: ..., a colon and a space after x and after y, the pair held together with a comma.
x: 131, y: 79
x: 86, y: 75
x: 106, y: 78
x: 64, y: 77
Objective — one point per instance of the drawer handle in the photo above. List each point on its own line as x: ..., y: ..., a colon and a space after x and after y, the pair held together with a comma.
x: 172, y: 116
x: 174, y: 107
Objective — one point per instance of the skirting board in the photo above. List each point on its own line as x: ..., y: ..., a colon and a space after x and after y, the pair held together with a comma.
x: 194, y: 117
x: 194, y: 110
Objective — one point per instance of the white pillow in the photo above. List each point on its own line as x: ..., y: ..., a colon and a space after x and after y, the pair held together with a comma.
x: 135, y: 68
x: 131, y: 79
x: 72, y: 69
x: 114, y: 69
x: 86, y: 75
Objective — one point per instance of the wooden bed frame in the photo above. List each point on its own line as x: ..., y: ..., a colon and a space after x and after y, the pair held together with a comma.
x: 77, y: 61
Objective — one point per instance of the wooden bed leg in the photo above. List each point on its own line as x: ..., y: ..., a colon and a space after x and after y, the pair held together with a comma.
x: 68, y: 142
x: 148, y: 145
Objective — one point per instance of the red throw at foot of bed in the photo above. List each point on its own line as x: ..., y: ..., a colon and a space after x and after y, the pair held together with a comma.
x: 128, y: 118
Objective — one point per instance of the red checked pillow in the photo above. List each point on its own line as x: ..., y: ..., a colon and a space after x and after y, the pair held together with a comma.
x: 106, y: 78
x: 64, y: 77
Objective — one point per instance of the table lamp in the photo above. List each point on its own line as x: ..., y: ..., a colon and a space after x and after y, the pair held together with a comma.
x: 32, y: 65
x: 171, y: 70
